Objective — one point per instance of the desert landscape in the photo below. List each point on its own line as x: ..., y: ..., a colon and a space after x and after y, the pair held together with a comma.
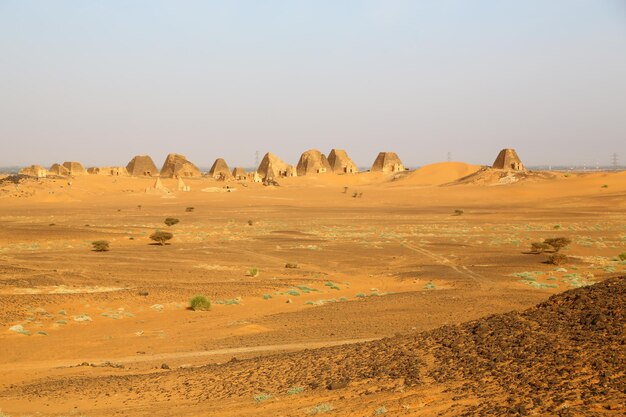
x: 296, y: 208
x: 312, y: 289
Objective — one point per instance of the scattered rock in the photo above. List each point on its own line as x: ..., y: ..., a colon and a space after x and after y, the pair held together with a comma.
x: 338, y: 384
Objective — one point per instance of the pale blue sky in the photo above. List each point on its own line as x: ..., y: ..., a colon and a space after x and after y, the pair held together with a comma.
x: 101, y: 81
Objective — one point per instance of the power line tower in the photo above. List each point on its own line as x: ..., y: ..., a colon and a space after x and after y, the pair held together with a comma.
x: 615, y: 160
x: 449, y: 156
x: 256, y: 159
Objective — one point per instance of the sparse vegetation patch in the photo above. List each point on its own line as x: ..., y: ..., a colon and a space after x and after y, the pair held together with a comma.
x: 200, y: 303
x: 100, y: 246
x: 161, y: 237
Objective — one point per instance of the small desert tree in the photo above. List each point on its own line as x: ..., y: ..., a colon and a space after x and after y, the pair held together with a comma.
x: 170, y: 221
x: 161, y: 237
x: 539, y: 247
x: 558, y: 243
x: 558, y: 259
x: 100, y: 246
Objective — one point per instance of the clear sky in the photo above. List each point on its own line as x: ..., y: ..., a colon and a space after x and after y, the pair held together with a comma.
x: 101, y: 81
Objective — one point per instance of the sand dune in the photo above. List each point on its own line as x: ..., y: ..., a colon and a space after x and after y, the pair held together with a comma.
x: 438, y: 173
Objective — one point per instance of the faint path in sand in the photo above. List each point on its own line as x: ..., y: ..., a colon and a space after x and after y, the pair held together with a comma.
x: 442, y: 260
x: 182, y: 355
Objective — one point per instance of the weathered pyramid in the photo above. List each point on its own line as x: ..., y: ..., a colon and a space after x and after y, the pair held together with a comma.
x: 313, y: 162
x: 75, y: 168
x: 142, y: 166
x: 58, y: 169
x: 254, y: 177
x: 113, y: 171
x: 220, y: 170
x: 272, y: 167
x: 157, y: 188
x: 340, y: 162
x: 240, y: 174
x: 181, y: 186
x: 508, y: 159
x: 177, y: 165
x: 34, y: 171
x: 387, y: 162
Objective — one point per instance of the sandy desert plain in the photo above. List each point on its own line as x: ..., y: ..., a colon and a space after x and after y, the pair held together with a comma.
x: 393, y: 303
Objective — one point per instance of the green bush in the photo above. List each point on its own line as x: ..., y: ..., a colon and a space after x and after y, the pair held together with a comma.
x: 161, y: 237
x: 100, y: 246
x: 200, y: 302
x: 253, y: 272
x: 622, y: 256
x: 170, y: 221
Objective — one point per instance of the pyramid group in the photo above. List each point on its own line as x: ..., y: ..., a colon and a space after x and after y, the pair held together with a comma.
x: 271, y: 167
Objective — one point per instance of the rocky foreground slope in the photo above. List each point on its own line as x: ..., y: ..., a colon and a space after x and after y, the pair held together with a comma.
x: 565, y: 356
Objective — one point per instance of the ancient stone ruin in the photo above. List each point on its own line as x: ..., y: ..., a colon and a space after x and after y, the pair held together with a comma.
x: 387, y: 162
x: 508, y: 159
x: 181, y: 186
x: 240, y: 174
x: 177, y: 165
x: 158, y: 188
x: 313, y: 162
x: 75, y: 168
x: 58, y: 169
x: 36, y: 171
x: 112, y: 171
x: 272, y: 167
x: 220, y: 170
x: 142, y: 166
x: 340, y: 162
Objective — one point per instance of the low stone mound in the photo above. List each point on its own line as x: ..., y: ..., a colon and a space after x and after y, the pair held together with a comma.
x: 75, y: 168
x: 491, y: 176
x: 177, y: 165
x: 313, y: 162
x: 14, y: 179
x: 387, y: 162
x: 219, y: 170
x: 564, y: 354
x: 340, y: 162
x: 142, y: 166
x: 507, y: 159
